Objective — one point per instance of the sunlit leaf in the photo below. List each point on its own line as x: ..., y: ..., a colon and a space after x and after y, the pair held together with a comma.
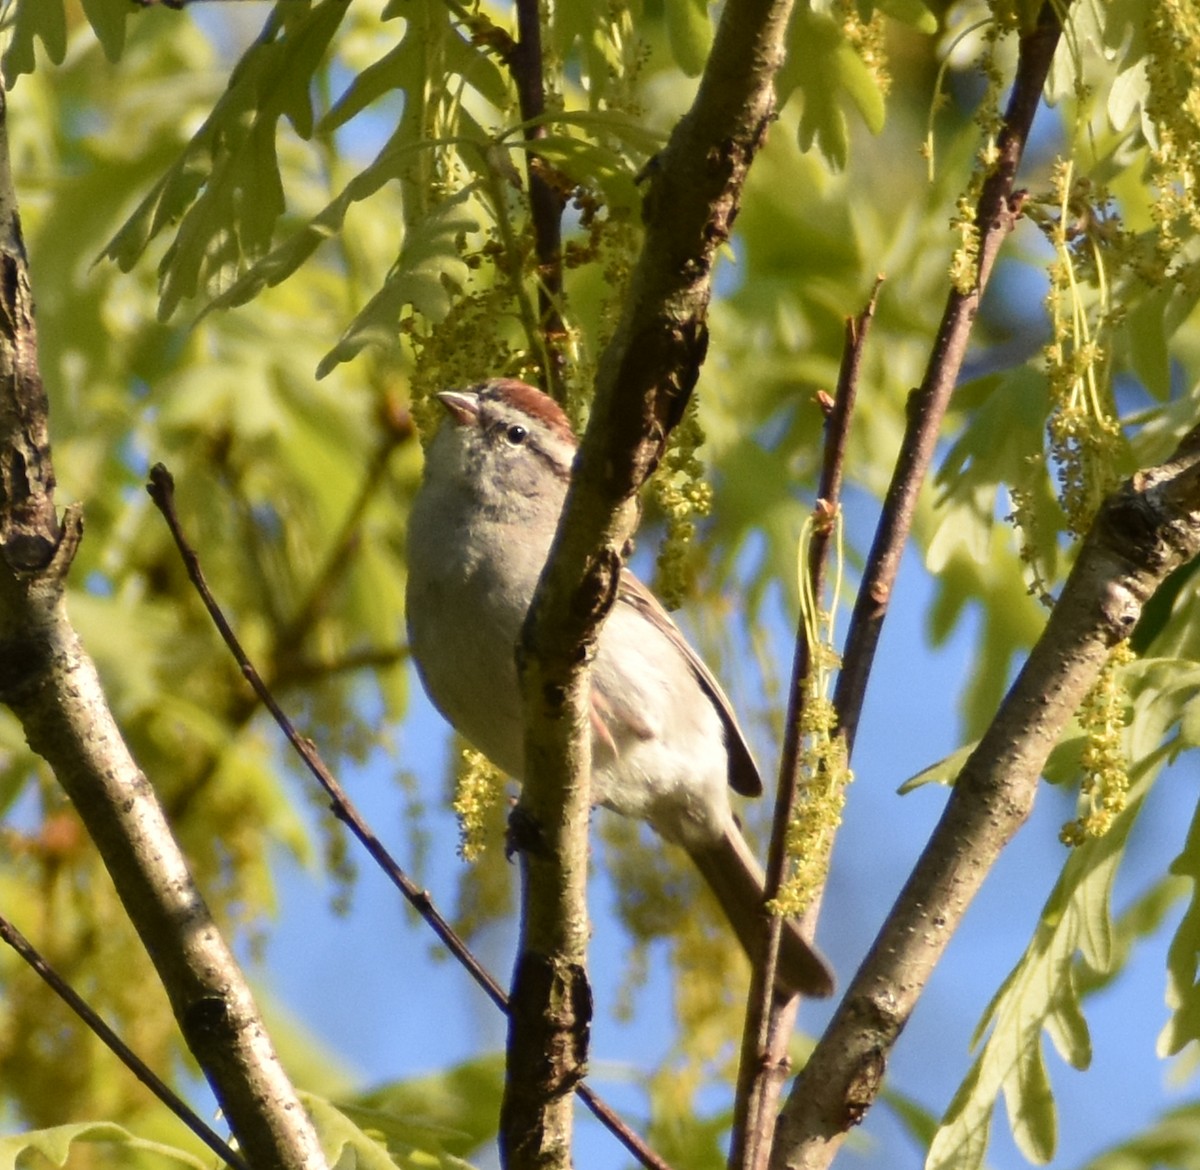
x: 689, y: 32
x: 429, y: 267
x: 1039, y: 993
x: 945, y: 771
x: 55, y: 1145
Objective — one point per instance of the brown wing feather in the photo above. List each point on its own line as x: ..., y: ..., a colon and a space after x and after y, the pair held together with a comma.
x: 743, y: 772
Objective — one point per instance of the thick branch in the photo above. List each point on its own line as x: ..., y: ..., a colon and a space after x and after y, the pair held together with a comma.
x: 1142, y: 532
x: 995, y: 214
x: 52, y: 687
x: 645, y: 377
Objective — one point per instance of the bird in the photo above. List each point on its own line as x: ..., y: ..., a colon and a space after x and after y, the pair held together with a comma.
x: 667, y: 748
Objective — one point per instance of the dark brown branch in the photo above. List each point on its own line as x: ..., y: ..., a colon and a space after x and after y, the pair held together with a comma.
x: 545, y: 196
x: 770, y: 1019
x: 130, y: 1059
x: 996, y: 212
x: 162, y: 491
x: 644, y: 379
x: 1141, y: 533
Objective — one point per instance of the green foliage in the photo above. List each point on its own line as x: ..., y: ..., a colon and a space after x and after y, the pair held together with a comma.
x: 373, y: 1140
x: 1076, y: 948
x: 1169, y: 1142
x: 1039, y: 995
x: 55, y: 1145
x: 224, y: 193
x: 457, y: 1106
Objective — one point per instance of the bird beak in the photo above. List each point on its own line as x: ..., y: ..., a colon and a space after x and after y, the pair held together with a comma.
x: 462, y: 405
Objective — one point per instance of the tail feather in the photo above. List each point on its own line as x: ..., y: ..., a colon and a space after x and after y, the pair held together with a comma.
x: 734, y: 876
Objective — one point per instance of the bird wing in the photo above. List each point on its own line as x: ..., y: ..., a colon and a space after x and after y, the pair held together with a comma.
x: 743, y: 772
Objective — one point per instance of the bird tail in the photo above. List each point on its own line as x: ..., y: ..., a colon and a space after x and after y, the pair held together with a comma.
x: 734, y: 876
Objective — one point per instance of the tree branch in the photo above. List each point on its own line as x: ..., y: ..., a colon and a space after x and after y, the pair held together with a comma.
x: 644, y: 379
x: 996, y: 212
x: 769, y: 1018
x: 1143, y: 531
x: 52, y: 687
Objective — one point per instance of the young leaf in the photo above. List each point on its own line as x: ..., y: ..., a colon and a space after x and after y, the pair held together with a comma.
x: 689, y: 32
x: 429, y: 265
x: 1039, y: 994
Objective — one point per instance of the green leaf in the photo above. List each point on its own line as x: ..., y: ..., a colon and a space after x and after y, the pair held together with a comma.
x: 911, y: 12
x: 1031, y: 1115
x: 342, y: 1138
x: 589, y: 165
x: 689, y: 33
x: 55, y: 1144
x: 107, y: 18
x: 47, y: 21
x: 827, y: 72
x: 1173, y: 1140
x: 1183, y: 986
x: 225, y: 191
x: 638, y: 137
x: 459, y: 1105
x: 428, y: 268
x: 1040, y: 994
x: 945, y: 771
x: 920, y: 1123
x: 402, y: 67
x: 1145, y: 328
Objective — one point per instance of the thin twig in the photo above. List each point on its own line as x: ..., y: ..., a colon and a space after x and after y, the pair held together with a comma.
x: 545, y: 200
x: 130, y: 1059
x: 770, y: 1017
x: 340, y: 555
x: 997, y: 211
x: 290, y: 668
x: 162, y: 492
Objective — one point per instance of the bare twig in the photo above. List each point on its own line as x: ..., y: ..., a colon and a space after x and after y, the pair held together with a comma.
x: 545, y: 198
x: 998, y: 207
x: 339, y: 557
x: 291, y: 667
x: 130, y: 1059
x: 770, y: 1018
x: 162, y: 492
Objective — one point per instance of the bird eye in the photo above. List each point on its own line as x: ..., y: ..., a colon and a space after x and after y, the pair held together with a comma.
x: 515, y: 434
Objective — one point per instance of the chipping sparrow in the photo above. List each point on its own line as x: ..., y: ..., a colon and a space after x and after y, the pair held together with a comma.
x: 666, y: 746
